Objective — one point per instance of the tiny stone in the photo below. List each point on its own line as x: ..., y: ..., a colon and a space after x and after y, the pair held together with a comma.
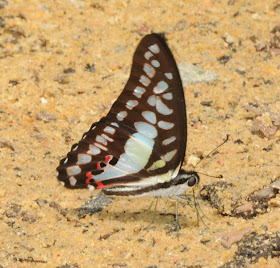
x: 46, y: 117
x: 75, y: 37
x: 43, y: 100
x: 229, y: 39
x: 90, y: 68
x: 62, y: 79
x: 206, y: 103
x: 276, y: 184
x: 40, y: 6
x: 193, y: 160
x: 69, y: 70
x: 180, y: 25
x: 13, y: 82
x: 240, y: 72
x: 224, y: 59
x: 119, y: 48
x: 255, y: 16
x: 192, y: 74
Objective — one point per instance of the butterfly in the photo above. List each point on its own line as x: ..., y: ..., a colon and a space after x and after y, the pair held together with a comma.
x: 138, y: 148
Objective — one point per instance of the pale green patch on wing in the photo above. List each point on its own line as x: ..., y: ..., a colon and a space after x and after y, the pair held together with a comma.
x: 139, y: 149
x: 156, y: 165
x: 170, y: 175
x: 165, y: 177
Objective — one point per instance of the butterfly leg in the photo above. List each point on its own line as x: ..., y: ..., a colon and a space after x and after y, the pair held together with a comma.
x: 177, y: 226
x: 192, y: 202
x: 152, y: 204
x: 154, y: 216
x: 186, y: 198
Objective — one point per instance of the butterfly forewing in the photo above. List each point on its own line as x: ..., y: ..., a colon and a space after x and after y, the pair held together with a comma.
x: 142, y: 140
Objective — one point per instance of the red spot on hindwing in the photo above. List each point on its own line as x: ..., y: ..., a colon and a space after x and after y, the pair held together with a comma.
x: 89, y: 176
x: 108, y: 158
x: 100, y: 185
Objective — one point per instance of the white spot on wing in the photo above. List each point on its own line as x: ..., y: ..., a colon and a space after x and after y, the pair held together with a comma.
x: 144, y: 80
x: 100, y: 139
x: 149, y: 70
x: 73, y: 170
x: 138, y: 92
x: 83, y: 159
x: 155, y: 63
x: 93, y: 150
x: 101, y: 147
x: 169, y: 140
x: 146, y: 129
x: 154, y: 48
x: 115, y: 124
x: 160, y: 87
x: 150, y: 116
x: 75, y: 148
x: 121, y: 115
x: 165, y: 125
x: 131, y: 104
x: 148, y: 55
x: 109, y: 130
x: 73, y: 181
x: 162, y: 108
x: 107, y: 138
x: 167, y: 157
x: 168, y: 96
x: 169, y: 75
x: 152, y: 100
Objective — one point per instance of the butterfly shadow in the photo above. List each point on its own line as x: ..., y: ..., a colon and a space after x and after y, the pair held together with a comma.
x: 152, y: 216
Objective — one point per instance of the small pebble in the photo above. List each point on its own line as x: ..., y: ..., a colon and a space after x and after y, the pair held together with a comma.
x: 193, y: 160
x: 46, y: 117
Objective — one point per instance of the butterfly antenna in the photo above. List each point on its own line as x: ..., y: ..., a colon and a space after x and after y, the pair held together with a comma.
x: 211, y: 153
x: 211, y: 176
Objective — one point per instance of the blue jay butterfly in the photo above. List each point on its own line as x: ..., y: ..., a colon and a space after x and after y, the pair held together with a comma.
x: 138, y: 148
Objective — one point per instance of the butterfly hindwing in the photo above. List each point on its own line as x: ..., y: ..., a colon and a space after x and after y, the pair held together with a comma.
x: 143, y: 137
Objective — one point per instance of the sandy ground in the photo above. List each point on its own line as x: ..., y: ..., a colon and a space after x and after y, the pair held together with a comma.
x: 63, y: 63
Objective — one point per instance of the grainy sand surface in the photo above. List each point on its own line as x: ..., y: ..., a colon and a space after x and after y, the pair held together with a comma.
x: 45, y: 107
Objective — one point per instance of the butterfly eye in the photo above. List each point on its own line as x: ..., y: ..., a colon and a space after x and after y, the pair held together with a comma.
x: 193, y: 180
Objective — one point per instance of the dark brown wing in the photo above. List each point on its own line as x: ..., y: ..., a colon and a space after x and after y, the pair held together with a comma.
x: 142, y: 140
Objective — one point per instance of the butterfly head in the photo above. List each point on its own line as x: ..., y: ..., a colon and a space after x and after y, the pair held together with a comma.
x: 188, y: 178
